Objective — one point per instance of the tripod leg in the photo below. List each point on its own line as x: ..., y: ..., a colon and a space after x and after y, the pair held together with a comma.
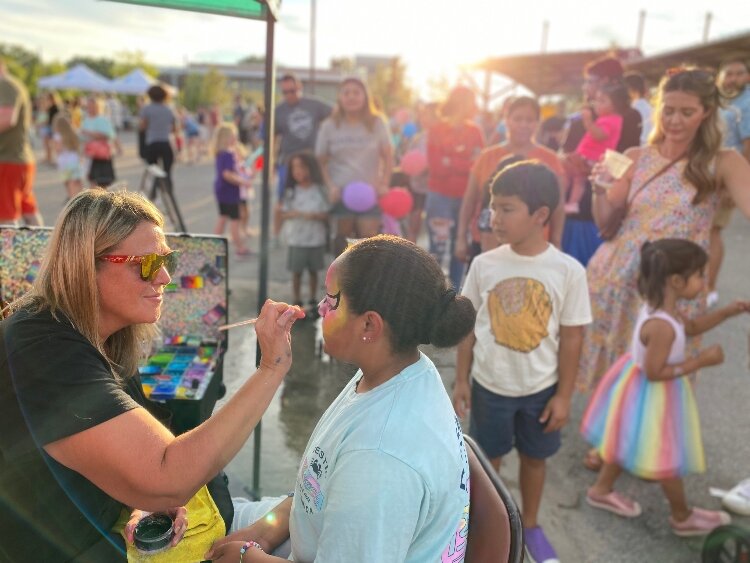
x: 170, y: 204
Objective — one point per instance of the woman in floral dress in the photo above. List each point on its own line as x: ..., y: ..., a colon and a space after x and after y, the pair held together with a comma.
x: 679, y: 201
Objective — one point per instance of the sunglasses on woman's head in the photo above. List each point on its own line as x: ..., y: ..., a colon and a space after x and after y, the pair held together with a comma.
x: 150, y: 263
x: 699, y: 73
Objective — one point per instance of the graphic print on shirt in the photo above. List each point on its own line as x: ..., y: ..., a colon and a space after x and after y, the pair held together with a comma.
x: 312, y: 472
x: 456, y: 549
x: 520, y: 309
x: 300, y: 124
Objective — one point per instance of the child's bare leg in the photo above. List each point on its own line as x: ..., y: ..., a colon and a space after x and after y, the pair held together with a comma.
x: 236, y: 235
x: 577, y: 188
x: 244, y: 217
x: 605, y: 482
x: 296, y: 287
x: 531, y: 476
x: 221, y: 224
x: 72, y: 187
x: 495, y: 462
x: 675, y: 493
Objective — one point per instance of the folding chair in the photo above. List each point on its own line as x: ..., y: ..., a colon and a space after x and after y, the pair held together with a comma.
x: 495, y: 528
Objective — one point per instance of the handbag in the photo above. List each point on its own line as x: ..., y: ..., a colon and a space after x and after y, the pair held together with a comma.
x: 609, y: 229
x: 98, y: 150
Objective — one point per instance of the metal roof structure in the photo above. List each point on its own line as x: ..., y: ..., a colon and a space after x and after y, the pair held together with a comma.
x: 551, y: 73
x: 561, y: 73
x: 709, y: 54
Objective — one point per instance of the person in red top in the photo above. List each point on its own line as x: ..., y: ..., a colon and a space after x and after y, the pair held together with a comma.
x: 522, y: 121
x: 453, y: 144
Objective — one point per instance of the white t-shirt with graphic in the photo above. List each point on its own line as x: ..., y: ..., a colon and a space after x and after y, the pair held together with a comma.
x: 521, y: 302
x: 385, y: 476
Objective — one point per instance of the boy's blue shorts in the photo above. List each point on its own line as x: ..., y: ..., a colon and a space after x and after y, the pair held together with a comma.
x: 499, y: 423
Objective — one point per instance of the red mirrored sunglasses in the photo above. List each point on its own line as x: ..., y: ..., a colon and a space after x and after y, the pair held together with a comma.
x: 150, y: 263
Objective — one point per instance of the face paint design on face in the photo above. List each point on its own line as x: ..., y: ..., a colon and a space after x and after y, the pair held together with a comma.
x: 332, y: 308
x: 329, y: 303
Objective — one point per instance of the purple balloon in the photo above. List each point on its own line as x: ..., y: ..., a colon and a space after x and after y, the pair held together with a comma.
x: 359, y: 197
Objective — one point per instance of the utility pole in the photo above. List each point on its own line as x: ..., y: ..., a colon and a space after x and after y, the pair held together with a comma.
x: 707, y: 26
x: 641, y: 26
x: 545, y: 35
x: 312, y: 46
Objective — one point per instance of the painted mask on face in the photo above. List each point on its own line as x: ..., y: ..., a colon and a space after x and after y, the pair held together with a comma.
x: 332, y: 308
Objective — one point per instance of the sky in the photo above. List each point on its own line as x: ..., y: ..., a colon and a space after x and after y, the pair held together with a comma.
x: 433, y: 37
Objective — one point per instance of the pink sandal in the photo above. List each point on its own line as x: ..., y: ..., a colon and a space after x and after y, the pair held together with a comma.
x: 614, y: 502
x: 700, y: 522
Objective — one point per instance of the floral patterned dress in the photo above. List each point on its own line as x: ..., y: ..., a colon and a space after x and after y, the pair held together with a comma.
x: 663, y: 209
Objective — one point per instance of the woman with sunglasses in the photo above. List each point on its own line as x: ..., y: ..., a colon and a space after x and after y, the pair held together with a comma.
x: 673, y: 189
x: 384, y: 476
x: 77, y: 446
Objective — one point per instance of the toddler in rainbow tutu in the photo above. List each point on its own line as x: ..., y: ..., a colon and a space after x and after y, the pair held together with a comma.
x: 643, y: 417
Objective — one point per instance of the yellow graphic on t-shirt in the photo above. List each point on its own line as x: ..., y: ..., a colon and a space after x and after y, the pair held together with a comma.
x: 519, y: 309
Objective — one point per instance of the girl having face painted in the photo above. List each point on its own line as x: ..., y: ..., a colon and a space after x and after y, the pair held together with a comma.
x: 384, y: 476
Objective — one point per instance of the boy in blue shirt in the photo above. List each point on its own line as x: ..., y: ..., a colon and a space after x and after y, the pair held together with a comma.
x: 532, y: 303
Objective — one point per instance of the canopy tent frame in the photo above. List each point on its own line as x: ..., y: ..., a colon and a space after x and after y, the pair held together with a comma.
x: 261, y: 10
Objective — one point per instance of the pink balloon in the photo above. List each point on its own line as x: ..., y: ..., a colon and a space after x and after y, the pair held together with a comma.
x: 414, y: 162
x: 398, y: 202
x: 359, y: 197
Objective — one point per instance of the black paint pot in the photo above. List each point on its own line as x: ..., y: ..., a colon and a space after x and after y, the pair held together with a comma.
x: 154, y: 533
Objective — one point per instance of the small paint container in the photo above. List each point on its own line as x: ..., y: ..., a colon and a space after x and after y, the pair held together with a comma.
x: 153, y: 533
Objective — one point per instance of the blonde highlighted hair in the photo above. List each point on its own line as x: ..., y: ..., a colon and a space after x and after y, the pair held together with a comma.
x: 222, y: 136
x: 369, y: 113
x: 92, y: 224
x: 69, y: 138
x: 708, y: 139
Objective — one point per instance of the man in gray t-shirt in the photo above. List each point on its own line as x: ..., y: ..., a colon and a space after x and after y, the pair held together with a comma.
x: 297, y: 119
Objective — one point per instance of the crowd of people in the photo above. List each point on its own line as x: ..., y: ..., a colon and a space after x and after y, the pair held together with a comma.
x: 548, y: 270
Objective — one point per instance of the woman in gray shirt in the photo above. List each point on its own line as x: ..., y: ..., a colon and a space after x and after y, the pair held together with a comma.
x: 158, y: 122
x: 353, y: 145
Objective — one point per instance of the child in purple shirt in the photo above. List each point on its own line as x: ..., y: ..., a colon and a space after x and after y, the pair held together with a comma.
x: 227, y: 185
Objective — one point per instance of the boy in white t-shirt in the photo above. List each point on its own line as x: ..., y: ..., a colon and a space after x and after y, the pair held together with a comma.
x: 532, y: 303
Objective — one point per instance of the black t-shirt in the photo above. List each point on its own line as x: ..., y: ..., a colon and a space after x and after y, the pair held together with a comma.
x: 53, y: 384
x: 630, y: 135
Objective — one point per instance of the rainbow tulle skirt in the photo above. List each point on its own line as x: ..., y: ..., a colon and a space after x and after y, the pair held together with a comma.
x: 650, y: 428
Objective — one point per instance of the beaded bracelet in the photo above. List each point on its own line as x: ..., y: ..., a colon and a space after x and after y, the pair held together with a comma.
x: 247, y: 545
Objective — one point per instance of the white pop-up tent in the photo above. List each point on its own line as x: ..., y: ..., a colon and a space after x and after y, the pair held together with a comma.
x: 79, y: 77
x: 136, y: 82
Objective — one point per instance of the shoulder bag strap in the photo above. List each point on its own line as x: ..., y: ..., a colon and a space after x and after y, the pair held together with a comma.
x: 661, y: 171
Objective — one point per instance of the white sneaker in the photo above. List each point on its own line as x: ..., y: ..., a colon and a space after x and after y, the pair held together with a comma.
x: 738, y: 499
x: 712, y: 299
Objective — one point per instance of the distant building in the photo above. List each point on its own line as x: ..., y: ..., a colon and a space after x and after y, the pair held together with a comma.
x: 370, y: 63
x: 251, y: 77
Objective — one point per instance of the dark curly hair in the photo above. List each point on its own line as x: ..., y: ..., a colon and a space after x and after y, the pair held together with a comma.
x: 405, y: 285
